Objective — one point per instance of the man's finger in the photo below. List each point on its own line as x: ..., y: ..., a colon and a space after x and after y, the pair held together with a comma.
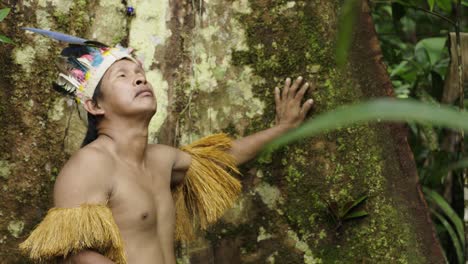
x: 277, y: 96
x: 306, y: 107
x: 287, y: 83
x: 301, y: 92
x: 292, y: 90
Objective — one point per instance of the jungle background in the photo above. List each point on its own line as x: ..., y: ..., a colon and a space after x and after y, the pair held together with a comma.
x: 217, y: 62
x: 415, y: 44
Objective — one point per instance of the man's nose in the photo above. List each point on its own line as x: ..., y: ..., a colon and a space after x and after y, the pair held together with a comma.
x: 140, y: 79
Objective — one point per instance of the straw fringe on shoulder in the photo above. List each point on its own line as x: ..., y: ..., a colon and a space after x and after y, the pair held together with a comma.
x: 69, y: 230
x: 208, y: 189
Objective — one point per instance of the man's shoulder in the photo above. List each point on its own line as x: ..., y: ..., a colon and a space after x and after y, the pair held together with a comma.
x: 91, y: 157
x: 160, y: 150
x: 85, y: 165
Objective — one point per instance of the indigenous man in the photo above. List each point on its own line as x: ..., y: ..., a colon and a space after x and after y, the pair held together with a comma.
x: 121, y: 200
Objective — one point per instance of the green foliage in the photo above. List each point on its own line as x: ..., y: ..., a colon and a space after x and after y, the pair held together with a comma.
x: 448, y: 211
x: 453, y: 236
x: 458, y: 237
x: 3, y: 13
x: 341, y: 213
x: 413, y: 36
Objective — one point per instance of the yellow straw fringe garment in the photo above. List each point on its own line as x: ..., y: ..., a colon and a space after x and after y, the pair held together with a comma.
x: 207, y: 192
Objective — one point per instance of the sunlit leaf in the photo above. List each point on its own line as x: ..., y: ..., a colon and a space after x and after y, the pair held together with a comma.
x: 456, y: 241
x: 3, y: 13
x: 379, y: 109
x: 345, y: 30
x: 431, y: 4
x: 402, y: 67
x: 448, y: 211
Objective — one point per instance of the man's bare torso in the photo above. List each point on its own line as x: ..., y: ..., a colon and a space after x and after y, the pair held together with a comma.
x: 142, y: 205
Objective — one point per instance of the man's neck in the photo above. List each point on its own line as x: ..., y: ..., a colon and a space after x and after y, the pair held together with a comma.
x: 128, y: 140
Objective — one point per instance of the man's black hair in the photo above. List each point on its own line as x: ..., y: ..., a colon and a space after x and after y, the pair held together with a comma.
x: 93, y: 121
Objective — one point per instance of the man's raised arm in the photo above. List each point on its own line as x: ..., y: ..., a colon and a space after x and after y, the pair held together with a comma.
x: 289, y: 114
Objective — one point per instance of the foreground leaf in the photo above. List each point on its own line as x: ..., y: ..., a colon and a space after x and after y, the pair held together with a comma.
x: 376, y: 110
x: 347, y: 18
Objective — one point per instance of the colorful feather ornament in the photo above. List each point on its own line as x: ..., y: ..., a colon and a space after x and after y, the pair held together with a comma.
x: 83, y: 63
x: 57, y: 36
x: 68, y: 83
x: 65, y: 37
x: 75, y: 50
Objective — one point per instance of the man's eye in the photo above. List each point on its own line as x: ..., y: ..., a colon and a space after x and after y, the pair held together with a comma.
x: 122, y: 75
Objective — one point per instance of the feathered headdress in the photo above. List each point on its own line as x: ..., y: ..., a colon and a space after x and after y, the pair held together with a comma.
x: 83, y: 63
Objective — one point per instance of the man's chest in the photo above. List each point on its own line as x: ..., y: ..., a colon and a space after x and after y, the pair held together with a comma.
x: 141, y: 200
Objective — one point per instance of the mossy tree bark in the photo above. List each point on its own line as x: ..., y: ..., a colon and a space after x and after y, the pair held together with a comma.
x: 214, y: 65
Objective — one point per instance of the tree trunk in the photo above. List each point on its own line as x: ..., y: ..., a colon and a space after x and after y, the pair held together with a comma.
x: 214, y: 66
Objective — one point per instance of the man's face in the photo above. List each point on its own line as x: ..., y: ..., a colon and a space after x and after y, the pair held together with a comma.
x: 122, y: 86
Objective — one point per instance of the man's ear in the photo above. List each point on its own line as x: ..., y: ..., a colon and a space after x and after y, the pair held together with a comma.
x: 93, y: 107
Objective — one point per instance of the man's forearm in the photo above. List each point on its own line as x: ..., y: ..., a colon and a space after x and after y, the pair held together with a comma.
x: 87, y: 257
x: 246, y: 148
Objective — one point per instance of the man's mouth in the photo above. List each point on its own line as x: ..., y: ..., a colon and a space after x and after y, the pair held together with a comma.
x: 145, y: 92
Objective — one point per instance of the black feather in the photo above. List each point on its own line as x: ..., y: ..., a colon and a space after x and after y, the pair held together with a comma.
x: 77, y: 64
x: 96, y: 43
x: 62, y: 90
x: 75, y: 51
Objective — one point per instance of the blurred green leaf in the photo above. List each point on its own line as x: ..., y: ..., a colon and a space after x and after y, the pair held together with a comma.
x: 432, y: 47
x: 461, y: 164
x: 445, y: 5
x: 5, y: 39
x: 448, y: 211
x: 345, y: 30
x: 431, y: 4
x: 3, y: 13
x: 456, y: 241
x: 379, y: 109
x: 400, y: 68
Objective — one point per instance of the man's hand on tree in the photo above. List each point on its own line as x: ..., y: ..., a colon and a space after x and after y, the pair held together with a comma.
x: 289, y: 111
